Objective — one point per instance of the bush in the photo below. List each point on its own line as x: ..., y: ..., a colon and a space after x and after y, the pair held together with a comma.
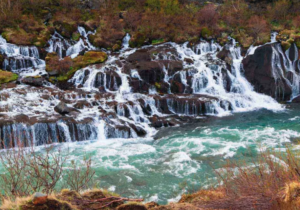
x: 27, y: 171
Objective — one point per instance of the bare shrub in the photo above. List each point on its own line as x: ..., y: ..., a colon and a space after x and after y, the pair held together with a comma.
x: 80, y: 175
x: 26, y: 171
x: 264, y: 177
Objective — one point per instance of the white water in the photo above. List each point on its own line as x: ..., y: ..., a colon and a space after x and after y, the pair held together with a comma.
x: 64, y: 47
x: 20, y: 58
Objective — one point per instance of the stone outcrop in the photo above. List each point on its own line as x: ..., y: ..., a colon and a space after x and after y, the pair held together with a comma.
x: 267, y: 75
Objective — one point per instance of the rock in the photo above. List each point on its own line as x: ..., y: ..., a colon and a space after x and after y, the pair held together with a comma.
x: 62, y: 108
x: 39, y: 198
x: 33, y: 81
x: 189, y: 61
x: 172, y: 66
x: 264, y: 75
x: 139, y: 55
x: 110, y: 80
x: 151, y: 205
x: 150, y: 71
x: 176, y: 84
x: 132, y: 206
x: 296, y: 99
x: 6, y: 77
x: 225, y: 55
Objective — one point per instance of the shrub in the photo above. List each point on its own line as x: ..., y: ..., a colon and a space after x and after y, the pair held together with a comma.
x: 27, y: 171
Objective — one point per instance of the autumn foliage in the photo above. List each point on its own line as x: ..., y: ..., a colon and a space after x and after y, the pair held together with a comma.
x: 153, y: 21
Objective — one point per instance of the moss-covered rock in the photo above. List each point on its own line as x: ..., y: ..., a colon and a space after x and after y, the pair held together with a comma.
x: 137, y: 40
x: 132, y: 206
x: 91, y: 57
x: 285, y: 45
x: 6, y: 76
x: 76, y: 36
x: 206, y: 33
x: 65, y: 68
x: 66, y: 27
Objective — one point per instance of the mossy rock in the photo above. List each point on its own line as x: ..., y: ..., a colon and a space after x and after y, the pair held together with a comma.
x: 285, y: 45
x: 206, y: 33
x: 76, y: 36
x: 116, y: 47
x: 137, y: 40
x: 202, y: 196
x: 132, y: 206
x: 297, y: 41
x: 157, y: 41
x: 89, y: 58
x: 52, y: 203
x: 6, y: 76
x: 65, y: 27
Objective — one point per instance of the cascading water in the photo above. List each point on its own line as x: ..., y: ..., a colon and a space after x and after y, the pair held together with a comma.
x: 64, y: 47
x: 20, y: 58
x: 127, y: 99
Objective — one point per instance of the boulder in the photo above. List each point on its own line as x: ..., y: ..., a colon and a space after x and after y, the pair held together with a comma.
x: 39, y: 198
x: 225, y: 55
x: 139, y: 55
x: 33, y: 81
x: 266, y: 77
x: 62, y: 108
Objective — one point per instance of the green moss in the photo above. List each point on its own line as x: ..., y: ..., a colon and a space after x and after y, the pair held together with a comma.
x: 157, y: 85
x: 116, y: 47
x: 76, y: 36
x: 137, y: 40
x: 285, y: 45
x: 89, y: 58
x: 6, y: 76
x: 206, y: 33
x: 158, y: 41
x: 297, y: 41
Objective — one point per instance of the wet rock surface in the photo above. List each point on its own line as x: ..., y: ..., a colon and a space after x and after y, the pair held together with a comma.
x: 271, y: 71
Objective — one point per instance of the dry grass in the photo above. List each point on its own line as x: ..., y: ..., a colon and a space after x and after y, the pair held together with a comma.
x: 270, y: 181
x: 16, y: 204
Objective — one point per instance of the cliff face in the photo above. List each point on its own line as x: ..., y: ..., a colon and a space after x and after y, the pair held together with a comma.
x: 274, y: 72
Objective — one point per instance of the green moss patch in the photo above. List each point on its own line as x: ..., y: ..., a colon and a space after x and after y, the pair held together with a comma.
x: 65, y: 68
x: 6, y: 76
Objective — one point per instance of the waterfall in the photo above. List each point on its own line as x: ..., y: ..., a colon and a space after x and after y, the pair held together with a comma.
x: 125, y: 43
x: 132, y: 93
x: 64, y: 47
x: 20, y: 58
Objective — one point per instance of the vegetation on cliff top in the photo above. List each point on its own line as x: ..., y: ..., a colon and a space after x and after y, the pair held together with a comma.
x: 148, y: 21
